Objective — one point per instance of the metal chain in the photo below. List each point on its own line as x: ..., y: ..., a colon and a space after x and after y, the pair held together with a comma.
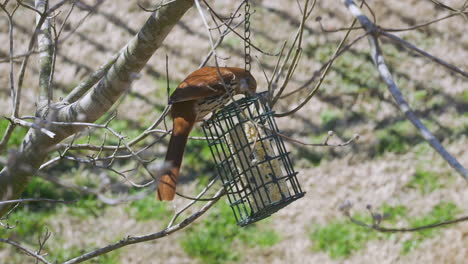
x: 247, y: 57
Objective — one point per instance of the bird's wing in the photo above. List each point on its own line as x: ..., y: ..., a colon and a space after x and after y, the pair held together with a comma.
x: 200, y: 84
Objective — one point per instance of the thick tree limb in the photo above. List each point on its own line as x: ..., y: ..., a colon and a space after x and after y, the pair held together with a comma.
x: 132, y: 58
x: 44, y: 40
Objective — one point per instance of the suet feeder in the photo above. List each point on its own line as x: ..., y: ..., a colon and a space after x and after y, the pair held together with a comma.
x: 251, y: 158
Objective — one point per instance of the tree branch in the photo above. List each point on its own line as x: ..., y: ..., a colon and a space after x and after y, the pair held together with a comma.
x: 387, y: 77
x: 129, y: 240
x: 44, y: 43
x: 35, y: 146
x: 25, y: 250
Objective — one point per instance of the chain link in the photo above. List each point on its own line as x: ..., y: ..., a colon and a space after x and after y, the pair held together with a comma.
x: 247, y: 57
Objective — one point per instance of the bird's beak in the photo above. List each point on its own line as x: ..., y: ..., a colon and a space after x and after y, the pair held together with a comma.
x: 245, y: 88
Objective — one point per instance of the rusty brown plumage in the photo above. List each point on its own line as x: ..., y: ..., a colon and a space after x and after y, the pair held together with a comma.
x: 201, y: 93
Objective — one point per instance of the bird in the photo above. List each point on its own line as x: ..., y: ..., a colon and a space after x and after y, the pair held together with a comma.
x: 203, y: 91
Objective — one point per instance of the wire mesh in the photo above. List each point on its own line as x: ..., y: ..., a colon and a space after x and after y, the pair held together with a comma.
x: 252, y: 160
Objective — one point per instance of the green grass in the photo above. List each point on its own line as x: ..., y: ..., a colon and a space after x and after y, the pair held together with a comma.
x: 329, y: 118
x: 361, y: 79
x: 161, y: 90
x: 148, y: 208
x: 444, y: 211
x: 393, y: 213
x: 425, y: 181
x: 395, y: 138
x: 17, y: 136
x: 218, y: 238
x: 436, y: 102
x: 310, y: 155
x: 197, y: 156
x: 464, y: 96
x: 28, y: 223
x: 32, y: 217
x: 341, y: 238
x: 420, y: 99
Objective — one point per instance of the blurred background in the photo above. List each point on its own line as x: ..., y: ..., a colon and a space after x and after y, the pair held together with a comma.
x: 390, y: 167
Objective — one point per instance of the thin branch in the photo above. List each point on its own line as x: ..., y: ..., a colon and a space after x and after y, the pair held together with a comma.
x: 150, y: 130
x: 419, y: 25
x: 325, y: 142
x: 387, y: 77
x: 322, y: 77
x: 223, y: 34
x: 24, y: 64
x: 192, y: 202
x: 87, y: 84
x: 325, y: 65
x: 13, y: 93
x: 235, y: 32
x: 22, y: 71
x: 98, y: 192
x: 377, y: 219
x: 425, y: 54
x: 55, y: 47
x: 298, y: 52
x: 18, y: 56
x: 407, y: 229
x: 138, y: 239
x: 25, y: 250
x: 24, y: 123
x: 42, y: 240
x: 29, y: 200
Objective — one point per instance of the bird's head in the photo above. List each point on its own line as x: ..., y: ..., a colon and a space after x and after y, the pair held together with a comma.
x: 244, y: 82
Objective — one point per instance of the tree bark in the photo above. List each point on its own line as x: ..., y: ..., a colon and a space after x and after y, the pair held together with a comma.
x: 34, y: 149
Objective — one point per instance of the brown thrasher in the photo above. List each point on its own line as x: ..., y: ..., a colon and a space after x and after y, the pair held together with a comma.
x: 201, y: 93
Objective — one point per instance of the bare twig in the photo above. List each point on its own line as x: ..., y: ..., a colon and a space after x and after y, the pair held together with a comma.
x: 98, y: 192
x: 13, y: 94
x: 377, y: 219
x: 419, y: 25
x: 222, y: 35
x: 151, y: 129
x: 425, y: 54
x: 192, y: 202
x: 17, y: 96
x: 297, y: 52
x: 322, y: 77
x: 29, y: 200
x: 138, y: 239
x: 25, y: 250
x: 42, y: 240
x: 24, y: 123
x: 235, y: 32
x: 325, y: 142
x: 387, y: 77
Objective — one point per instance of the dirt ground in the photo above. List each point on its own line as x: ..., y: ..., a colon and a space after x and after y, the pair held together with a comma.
x: 353, y: 173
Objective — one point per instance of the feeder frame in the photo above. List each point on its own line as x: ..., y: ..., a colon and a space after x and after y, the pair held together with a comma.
x: 251, y: 159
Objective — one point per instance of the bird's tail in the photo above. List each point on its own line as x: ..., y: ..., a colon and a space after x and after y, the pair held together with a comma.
x: 183, y: 124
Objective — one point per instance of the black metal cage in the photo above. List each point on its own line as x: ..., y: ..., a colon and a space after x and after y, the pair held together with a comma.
x: 251, y: 158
